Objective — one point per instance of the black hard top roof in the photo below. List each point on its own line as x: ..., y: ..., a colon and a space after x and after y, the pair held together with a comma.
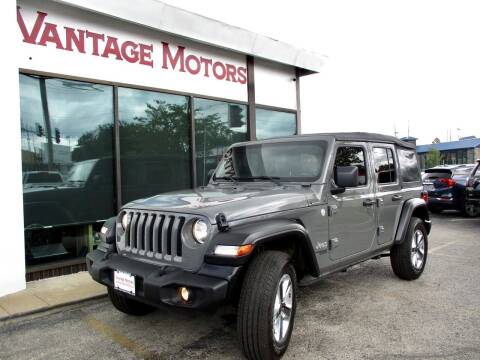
x: 352, y: 136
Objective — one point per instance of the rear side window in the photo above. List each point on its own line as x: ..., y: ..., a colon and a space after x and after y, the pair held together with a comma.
x: 384, y: 165
x: 408, y: 165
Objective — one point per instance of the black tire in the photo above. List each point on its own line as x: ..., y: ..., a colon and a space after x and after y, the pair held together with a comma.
x: 257, y: 304
x: 401, y: 255
x: 128, y: 306
x: 470, y: 210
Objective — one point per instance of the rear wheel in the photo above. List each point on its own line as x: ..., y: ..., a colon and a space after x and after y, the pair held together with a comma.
x: 127, y: 305
x: 267, y: 306
x: 471, y: 210
x: 408, y: 259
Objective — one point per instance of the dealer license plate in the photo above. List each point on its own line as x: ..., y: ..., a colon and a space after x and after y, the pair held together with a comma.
x: 124, y: 282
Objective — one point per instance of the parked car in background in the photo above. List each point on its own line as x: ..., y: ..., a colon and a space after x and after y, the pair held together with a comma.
x: 473, y: 190
x: 446, y: 186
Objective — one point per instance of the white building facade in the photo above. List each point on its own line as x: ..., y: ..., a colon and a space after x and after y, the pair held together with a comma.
x: 119, y: 100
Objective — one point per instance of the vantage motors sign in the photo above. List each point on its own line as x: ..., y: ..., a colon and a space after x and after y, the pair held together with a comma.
x: 67, y: 41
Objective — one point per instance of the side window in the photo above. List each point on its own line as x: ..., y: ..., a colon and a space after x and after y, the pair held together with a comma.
x: 384, y: 165
x: 408, y: 165
x: 353, y: 156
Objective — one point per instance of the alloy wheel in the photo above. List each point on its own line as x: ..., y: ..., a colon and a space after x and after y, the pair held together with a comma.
x: 418, y: 249
x: 282, y: 310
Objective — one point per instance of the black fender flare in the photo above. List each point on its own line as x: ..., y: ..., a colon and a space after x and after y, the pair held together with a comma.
x: 262, y: 234
x: 412, y: 207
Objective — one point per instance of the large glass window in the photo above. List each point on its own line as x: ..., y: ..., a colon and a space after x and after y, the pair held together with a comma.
x: 66, y: 132
x: 217, y: 125
x: 270, y: 124
x: 154, y: 143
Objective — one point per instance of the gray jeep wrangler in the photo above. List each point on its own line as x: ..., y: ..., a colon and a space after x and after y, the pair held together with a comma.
x: 275, y: 215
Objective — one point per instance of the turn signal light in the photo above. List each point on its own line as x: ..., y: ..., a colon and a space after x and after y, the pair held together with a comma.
x: 225, y: 250
x: 244, y: 250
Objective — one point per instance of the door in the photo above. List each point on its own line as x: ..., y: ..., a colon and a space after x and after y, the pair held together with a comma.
x: 389, y: 197
x: 352, y: 221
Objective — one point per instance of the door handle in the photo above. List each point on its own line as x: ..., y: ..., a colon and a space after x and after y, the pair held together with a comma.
x: 397, y: 197
x: 369, y: 202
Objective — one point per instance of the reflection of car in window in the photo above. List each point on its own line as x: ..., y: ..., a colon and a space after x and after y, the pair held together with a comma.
x: 71, y: 201
x: 41, y: 178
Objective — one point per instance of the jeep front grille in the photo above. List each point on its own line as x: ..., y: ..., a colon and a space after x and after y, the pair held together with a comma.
x: 155, y: 235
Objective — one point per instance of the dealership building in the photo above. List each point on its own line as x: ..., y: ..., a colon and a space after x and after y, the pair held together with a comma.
x: 119, y: 100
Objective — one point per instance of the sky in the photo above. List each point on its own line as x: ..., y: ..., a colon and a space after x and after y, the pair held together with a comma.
x: 409, y: 66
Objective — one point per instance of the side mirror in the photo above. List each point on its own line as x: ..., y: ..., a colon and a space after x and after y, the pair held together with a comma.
x: 337, y: 190
x: 346, y: 176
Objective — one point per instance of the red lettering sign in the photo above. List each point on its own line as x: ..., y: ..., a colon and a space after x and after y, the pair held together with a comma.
x: 174, y: 58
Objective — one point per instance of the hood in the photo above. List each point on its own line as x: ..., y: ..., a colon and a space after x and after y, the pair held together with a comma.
x: 235, y: 202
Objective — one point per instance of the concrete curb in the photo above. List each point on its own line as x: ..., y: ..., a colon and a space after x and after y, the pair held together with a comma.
x: 51, y: 307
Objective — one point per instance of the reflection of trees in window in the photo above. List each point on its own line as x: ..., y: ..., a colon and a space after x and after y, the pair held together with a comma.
x: 164, y: 129
x: 217, y: 126
x: 94, y: 144
x: 348, y: 156
x: 212, y: 132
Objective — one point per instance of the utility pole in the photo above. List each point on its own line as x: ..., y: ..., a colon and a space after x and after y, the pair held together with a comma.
x: 46, y: 116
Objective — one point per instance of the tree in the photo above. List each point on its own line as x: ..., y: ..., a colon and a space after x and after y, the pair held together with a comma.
x: 433, y: 158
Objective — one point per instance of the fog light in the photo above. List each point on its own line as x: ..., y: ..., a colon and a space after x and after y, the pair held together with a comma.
x: 184, y: 293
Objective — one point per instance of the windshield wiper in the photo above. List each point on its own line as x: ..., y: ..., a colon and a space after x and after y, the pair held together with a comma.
x: 233, y: 179
x: 274, y: 179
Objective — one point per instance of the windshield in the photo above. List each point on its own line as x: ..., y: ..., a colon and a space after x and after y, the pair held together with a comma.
x: 80, y: 171
x: 286, y: 161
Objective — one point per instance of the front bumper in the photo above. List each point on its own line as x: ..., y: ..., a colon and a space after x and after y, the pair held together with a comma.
x: 156, y: 285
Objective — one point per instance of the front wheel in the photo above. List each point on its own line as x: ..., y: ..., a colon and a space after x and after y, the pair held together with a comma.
x: 267, y: 306
x: 408, y: 258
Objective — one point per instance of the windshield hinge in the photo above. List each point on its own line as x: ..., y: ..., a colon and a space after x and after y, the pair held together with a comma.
x: 222, y: 222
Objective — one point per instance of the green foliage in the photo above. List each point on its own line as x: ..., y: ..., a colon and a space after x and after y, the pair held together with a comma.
x: 164, y: 129
x: 433, y: 158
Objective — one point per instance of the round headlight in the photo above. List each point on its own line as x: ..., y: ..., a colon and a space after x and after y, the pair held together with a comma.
x: 125, y: 220
x: 200, y: 231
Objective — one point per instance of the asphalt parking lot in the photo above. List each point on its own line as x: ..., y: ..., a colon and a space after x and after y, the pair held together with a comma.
x: 364, y: 313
